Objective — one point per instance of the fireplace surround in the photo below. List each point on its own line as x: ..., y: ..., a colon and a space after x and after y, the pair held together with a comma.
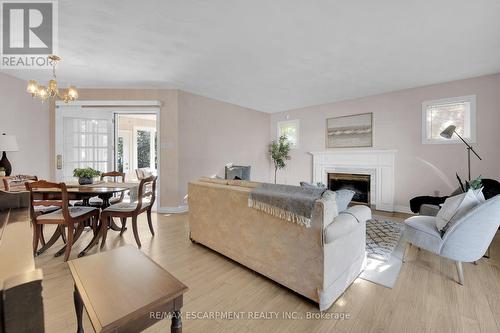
x: 378, y: 163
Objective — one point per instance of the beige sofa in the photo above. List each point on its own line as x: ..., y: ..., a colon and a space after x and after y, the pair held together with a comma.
x: 319, y: 262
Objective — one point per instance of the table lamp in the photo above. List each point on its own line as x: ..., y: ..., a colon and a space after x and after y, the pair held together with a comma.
x: 448, y: 133
x: 8, y: 143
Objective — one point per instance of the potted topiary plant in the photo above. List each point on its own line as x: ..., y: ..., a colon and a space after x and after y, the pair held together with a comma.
x: 279, y: 153
x: 2, y: 172
x: 85, y: 175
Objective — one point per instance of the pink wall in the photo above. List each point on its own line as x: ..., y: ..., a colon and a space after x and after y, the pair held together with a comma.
x: 420, y: 169
x: 213, y: 133
x: 28, y: 120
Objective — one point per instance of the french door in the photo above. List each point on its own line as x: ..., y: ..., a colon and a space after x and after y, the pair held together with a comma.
x: 89, y: 134
x: 84, y: 138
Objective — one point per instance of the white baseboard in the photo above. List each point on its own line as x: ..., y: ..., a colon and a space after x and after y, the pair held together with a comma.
x: 402, y: 209
x: 173, y: 210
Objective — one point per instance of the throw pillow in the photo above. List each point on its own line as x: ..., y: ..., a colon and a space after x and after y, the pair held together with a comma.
x: 330, y: 200
x: 343, y: 197
x: 479, y: 195
x: 455, y: 207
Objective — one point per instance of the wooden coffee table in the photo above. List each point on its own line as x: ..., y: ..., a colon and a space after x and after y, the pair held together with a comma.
x: 123, y: 290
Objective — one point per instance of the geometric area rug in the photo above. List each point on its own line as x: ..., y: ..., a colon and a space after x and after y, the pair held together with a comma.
x: 384, y: 252
x: 382, y: 236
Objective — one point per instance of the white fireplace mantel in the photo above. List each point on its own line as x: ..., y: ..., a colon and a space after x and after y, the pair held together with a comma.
x: 378, y: 163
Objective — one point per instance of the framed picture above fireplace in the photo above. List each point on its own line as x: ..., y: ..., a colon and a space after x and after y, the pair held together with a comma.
x: 349, y: 131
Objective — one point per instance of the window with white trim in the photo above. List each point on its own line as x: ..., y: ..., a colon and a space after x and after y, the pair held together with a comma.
x: 439, y: 114
x: 290, y: 128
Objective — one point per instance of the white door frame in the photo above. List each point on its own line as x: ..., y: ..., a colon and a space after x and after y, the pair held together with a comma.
x: 115, y: 107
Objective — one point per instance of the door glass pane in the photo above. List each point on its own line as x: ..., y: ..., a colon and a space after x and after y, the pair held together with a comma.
x: 119, y: 153
x: 143, y: 149
x: 85, y: 145
x: 102, y: 140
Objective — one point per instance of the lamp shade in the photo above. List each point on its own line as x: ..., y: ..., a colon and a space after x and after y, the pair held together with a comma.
x: 8, y: 143
x: 448, y: 132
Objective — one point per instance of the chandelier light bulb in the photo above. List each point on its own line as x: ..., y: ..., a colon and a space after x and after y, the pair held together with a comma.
x: 72, y: 93
x: 42, y: 93
x: 32, y: 87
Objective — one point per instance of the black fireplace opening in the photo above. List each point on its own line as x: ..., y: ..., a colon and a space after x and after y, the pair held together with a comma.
x: 358, y: 183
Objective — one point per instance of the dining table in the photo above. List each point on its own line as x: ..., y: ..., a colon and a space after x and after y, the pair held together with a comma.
x: 104, y: 190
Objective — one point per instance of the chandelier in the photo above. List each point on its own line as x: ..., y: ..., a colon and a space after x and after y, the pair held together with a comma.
x: 52, y: 90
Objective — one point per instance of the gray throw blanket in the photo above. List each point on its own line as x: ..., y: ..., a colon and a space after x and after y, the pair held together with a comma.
x: 291, y: 203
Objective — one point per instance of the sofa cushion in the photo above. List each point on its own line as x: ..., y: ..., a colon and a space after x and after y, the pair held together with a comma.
x: 422, y: 231
x: 455, y: 207
x: 344, y: 197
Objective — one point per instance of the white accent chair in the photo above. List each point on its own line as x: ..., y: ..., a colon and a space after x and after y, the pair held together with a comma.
x: 466, y: 240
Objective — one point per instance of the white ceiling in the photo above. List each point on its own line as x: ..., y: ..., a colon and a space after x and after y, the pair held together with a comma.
x: 275, y: 55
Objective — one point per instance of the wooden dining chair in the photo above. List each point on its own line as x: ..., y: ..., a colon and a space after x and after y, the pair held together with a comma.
x: 16, y: 184
x: 114, y: 176
x: 146, y: 198
x: 71, y: 218
x: 143, y: 173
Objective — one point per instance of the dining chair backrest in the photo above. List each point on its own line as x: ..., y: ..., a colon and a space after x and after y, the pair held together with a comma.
x: 60, y: 200
x: 17, y: 182
x: 147, y: 189
x: 113, y: 174
x: 143, y: 173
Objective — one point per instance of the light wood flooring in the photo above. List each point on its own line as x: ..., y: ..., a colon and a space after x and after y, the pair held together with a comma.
x: 426, y: 297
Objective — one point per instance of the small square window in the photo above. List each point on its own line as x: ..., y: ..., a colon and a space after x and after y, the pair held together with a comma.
x: 290, y: 128
x: 439, y: 114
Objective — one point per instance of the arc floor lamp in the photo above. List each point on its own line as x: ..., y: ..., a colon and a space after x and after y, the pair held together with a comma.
x: 448, y: 133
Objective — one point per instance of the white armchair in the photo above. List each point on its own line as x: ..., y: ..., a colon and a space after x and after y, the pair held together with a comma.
x: 466, y: 240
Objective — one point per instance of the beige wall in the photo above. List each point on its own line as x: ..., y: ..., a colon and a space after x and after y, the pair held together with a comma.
x: 420, y: 169
x: 213, y: 133
x: 28, y: 120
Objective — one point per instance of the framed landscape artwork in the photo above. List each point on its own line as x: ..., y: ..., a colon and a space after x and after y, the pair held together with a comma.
x: 349, y: 131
